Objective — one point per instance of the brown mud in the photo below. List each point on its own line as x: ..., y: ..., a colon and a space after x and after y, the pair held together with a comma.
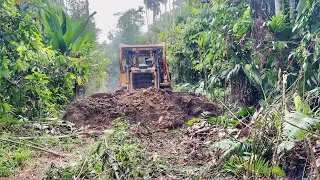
x: 154, y: 108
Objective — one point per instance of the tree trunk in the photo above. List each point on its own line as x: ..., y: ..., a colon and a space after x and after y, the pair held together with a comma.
x: 87, y: 8
x: 165, y: 7
x: 173, y: 15
x: 166, y: 15
x: 278, y: 6
x: 180, y: 8
x: 245, y: 94
x: 148, y: 23
x: 292, y: 10
x: 169, y: 10
x: 154, y: 14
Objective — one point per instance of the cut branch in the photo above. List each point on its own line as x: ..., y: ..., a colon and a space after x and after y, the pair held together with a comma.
x: 32, y: 146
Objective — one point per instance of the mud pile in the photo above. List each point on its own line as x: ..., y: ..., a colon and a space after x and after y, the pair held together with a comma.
x: 155, y: 108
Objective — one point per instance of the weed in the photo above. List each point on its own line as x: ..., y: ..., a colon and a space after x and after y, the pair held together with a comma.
x: 56, y: 173
x: 115, y: 155
x: 193, y: 121
x: 12, y: 156
x: 156, y: 167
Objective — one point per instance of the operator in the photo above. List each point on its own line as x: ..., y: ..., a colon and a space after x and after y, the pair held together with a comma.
x: 148, y: 61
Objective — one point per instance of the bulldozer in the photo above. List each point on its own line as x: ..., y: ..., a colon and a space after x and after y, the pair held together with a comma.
x: 144, y: 66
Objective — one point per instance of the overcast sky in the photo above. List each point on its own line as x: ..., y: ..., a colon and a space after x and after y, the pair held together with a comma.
x: 105, y: 10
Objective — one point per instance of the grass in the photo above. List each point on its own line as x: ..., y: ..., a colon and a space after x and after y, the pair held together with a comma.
x: 12, y: 157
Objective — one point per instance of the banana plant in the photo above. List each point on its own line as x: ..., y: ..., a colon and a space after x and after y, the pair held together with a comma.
x: 66, y: 34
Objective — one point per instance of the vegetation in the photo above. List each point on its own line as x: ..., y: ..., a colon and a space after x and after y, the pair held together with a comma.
x: 260, y: 60
x: 268, y: 60
x: 46, y: 61
x: 115, y: 155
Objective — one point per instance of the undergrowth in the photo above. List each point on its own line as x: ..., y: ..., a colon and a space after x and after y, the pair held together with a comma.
x: 271, y: 142
x: 12, y: 156
x: 19, y: 142
x: 115, y: 156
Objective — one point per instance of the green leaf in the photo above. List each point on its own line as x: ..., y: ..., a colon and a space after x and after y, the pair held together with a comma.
x: 212, y: 120
x: 278, y: 171
x: 296, y: 124
x: 64, y: 23
x: 43, y: 81
x: 7, y: 121
x: 58, y: 42
x: 301, y: 107
x: 79, y: 80
x: 243, y: 112
x: 300, y: 7
x: 53, y: 21
x: 253, y: 75
x: 20, y: 65
x: 227, y: 145
x: 30, y: 77
x: 7, y: 107
x: 77, y: 29
x: 193, y: 121
x: 82, y: 40
x: 285, y: 145
x: 297, y: 101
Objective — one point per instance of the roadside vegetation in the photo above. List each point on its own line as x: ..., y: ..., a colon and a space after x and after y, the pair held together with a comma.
x: 258, y: 60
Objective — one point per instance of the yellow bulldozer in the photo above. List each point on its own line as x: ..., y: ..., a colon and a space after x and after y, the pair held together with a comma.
x: 144, y: 66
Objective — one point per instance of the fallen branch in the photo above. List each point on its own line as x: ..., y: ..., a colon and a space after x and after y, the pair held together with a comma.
x: 203, y: 130
x: 84, y: 163
x: 47, y: 137
x: 32, y: 146
x: 83, y: 134
x: 112, y: 160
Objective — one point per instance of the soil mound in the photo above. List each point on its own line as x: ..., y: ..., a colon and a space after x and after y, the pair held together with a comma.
x: 154, y: 108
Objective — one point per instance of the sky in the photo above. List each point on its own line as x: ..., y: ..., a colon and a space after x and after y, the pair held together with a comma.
x: 105, y: 10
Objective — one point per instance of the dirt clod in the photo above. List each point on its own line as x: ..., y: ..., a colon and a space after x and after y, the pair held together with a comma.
x: 155, y: 108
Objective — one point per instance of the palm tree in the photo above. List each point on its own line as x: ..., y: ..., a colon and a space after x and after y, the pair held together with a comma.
x: 154, y: 6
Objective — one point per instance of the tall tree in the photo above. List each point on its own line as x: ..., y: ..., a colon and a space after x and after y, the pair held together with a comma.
x: 154, y: 6
x: 148, y: 22
x: 129, y: 25
x: 128, y: 31
x: 173, y: 25
x: 292, y: 9
x: 278, y: 6
x: 79, y: 10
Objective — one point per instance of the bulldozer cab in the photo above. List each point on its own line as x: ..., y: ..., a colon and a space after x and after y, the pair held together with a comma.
x: 144, y: 66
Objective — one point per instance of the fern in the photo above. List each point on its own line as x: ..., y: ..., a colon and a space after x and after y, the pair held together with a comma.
x: 260, y: 166
x: 278, y: 23
x: 286, y: 145
x: 247, y: 158
x: 227, y: 144
x: 254, y: 165
x: 297, y: 125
